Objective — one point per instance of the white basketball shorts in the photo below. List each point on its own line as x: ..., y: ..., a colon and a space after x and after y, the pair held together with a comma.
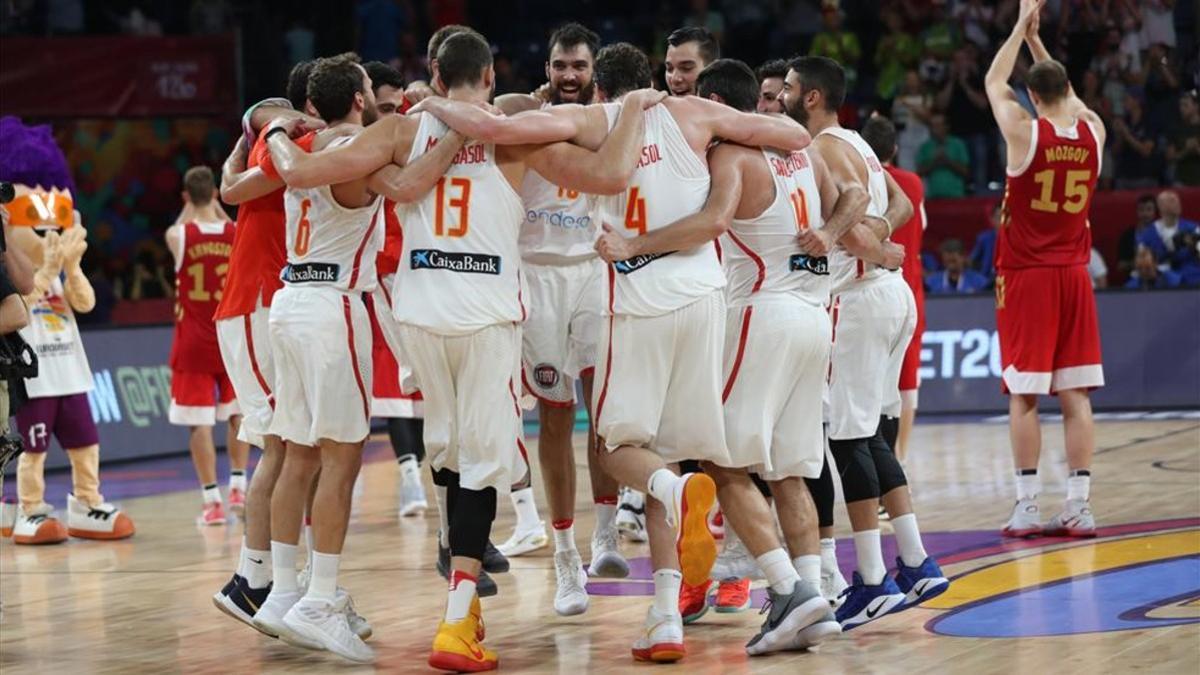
x: 563, y: 328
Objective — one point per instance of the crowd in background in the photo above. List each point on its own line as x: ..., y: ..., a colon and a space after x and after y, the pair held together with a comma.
x: 921, y: 62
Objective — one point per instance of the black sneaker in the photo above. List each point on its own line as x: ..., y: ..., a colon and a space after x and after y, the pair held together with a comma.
x: 243, y: 602
x: 493, y: 560
x: 485, y: 585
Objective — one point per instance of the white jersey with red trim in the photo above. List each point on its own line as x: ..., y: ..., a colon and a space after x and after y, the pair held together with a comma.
x: 845, y: 269
x: 670, y: 182
x: 329, y: 244
x: 763, y: 258
x: 460, y: 269
x: 557, y: 229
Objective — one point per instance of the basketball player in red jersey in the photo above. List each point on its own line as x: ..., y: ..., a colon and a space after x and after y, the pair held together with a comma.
x: 1045, y: 310
x: 880, y: 134
x: 201, y: 393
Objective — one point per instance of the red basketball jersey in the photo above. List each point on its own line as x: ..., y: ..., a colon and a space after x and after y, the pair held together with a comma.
x: 1044, y: 222
x: 199, y: 281
x: 910, y: 234
x: 388, y: 260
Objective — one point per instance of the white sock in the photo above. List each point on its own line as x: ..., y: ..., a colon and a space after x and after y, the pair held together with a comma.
x: 410, y: 470
x: 462, y: 592
x: 1079, y: 486
x: 439, y: 493
x: 237, y: 479
x: 323, y: 583
x: 283, y: 567
x: 828, y: 554
x: 257, y: 567
x: 809, y: 568
x: 527, y: 515
x: 666, y: 591
x: 211, y: 493
x: 1029, y: 486
x: 869, y: 552
x: 606, y: 516
x: 661, y: 486
x: 779, y: 571
x: 564, y: 537
x: 241, y: 566
x: 908, y: 539
x: 308, y: 543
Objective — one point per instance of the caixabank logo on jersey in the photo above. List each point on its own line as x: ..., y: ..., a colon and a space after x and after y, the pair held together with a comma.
x: 637, y: 262
x: 801, y: 262
x: 470, y: 263
x: 312, y: 272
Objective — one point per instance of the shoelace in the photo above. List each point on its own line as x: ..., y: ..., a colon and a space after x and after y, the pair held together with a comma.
x: 567, y: 576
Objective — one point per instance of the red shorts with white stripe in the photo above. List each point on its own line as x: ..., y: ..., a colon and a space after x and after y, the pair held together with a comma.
x: 201, y: 399
x: 387, y: 397
x: 1049, y: 334
x: 910, y: 377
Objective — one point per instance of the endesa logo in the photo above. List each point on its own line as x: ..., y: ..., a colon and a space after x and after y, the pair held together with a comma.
x: 808, y: 263
x: 471, y: 263
x: 558, y: 219
x: 635, y: 264
x: 306, y: 273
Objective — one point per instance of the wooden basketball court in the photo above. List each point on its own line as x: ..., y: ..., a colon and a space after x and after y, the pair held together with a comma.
x: 1129, y: 600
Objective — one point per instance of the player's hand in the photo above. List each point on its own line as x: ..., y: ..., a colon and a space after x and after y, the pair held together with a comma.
x: 1029, y: 10
x: 611, y: 246
x: 646, y: 98
x: 418, y: 91
x: 893, y: 255
x: 427, y: 104
x: 293, y: 126
x: 52, y: 254
x: 815, y: 242
x: 73, y: 243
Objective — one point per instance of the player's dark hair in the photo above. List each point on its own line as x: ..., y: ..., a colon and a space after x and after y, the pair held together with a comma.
x: 732, y: 80
x: 880, y: 134
x: 199, y: 184
x: 382, y: 74
x: 1048, y: 79
x: 297, y: 84
x: 333, y: 83
x: 823, y: 74
x: 462, y: 58
x: 439, y: 36
x: 709, y: 49
x: 571, y: 34
x: 622, y: 68
x: 773, y: 68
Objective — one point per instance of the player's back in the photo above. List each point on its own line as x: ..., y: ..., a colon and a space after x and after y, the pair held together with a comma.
x: 557, y: 228
x: 201, y: 266
x: 846, y: 270
x: 765, y: 261
x: 460, y: 244
x: 670, y: 182
x: 911, y: 235
x: 1044, y: 220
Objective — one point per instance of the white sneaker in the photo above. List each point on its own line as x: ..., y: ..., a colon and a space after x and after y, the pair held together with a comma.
x: 631, y: 515
x: 1025, y: 521
x: 270, y: 615
x: 525, y: 541
x: 734, y: 561
x: 358, y: 624
x: 8, y: 517
x: 832, y: 585
x: 1075, y: 520
x: 324, y: 623
x: 570, y: 595
x: 607, y: 560
x: 38, y: 526
x: 104, y: 521
x: 812, y: 636
x: 661, y: 639
x: 412, y: 495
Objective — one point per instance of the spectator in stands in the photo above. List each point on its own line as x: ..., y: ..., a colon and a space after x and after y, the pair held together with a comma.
x: 983, y: 254
x: 966, y: 106
x: 1138, y: 163
x: 1160, y: 83
x: 840, y: 45
x: 703, y: 17
x: 1158, y: 24
x: 1173, y: 239
x: 943, y: 162
x: 1147, y: 273
x: 1097, y: 269
x: 380, y: 24
x: 1183, y: 146
x: 148, y: 279
x: 1147, y: 213
x: 956, y: 277
x: 895, y: 54
x: 976, y: 18
x: 911, y: 111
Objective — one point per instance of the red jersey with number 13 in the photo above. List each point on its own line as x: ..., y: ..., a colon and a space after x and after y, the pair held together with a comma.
x: 199, y: 280
x: 1044, y: 222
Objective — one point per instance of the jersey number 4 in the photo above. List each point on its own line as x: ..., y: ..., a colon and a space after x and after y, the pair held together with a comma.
x: 462, y: 203
x: 1075, y: 190
x: 635, y: 211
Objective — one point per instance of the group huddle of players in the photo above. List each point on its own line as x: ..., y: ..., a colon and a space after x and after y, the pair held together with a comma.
x: 721, y: 278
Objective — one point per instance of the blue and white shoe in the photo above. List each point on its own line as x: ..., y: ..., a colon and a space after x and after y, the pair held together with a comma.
x: 864, y: 603
x: 920, y: 583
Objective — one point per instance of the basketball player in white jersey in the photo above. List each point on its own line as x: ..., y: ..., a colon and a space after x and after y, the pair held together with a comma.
x: 460, y: 247
x: 319, y: 336
x: 659, y: 399
x: 874, y: 316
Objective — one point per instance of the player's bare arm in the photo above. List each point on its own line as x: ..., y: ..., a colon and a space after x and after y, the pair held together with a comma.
x: 405, y: 184
x: 726, y: 164
x: 560, y: 123
x: 1073, y: 104
x: 1010, y: 116
x: 852, y: 199
x: 174, y: 239
x: 375, y: 147
x: 239, y: 184
x: 262, y: 113
x: 862, y: 243
x: 512, y: 104
x: 753, y: 129
x: 899, y: 210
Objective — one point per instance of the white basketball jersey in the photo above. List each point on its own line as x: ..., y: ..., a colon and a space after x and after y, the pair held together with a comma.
x: 763, y: 259
x: 670, y: 182
x: 460, y: 270
x: 558, y: 228
x: 329, y: 244
x: 844, y: 268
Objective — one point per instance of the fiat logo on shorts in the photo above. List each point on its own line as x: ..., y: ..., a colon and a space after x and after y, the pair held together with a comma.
x: 545, y: 375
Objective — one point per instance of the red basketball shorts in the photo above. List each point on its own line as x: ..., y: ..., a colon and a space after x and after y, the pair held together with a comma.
x: 201, y: 399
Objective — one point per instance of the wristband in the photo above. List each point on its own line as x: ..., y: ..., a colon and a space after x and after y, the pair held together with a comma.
x: 267, y: 136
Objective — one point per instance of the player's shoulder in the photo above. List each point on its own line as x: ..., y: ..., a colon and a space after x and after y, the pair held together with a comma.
x: 511, y: 104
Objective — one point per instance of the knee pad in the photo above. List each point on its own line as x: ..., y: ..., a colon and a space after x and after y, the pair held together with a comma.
x: 822, y: 491
x: 857, y: 468
x: 408, y: 436
x: 471, y: 522
x: 887, y: 467
x: 761, y: 485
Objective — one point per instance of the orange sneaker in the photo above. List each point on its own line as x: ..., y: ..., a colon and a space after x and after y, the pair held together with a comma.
x: 733, y: 596
x: 716, y: 523
x: 476, y: 613
x: 693, y: 600
x: 694, y: 497
x: 237, y: 501
x: 213, y: 514
x: 457, y: 649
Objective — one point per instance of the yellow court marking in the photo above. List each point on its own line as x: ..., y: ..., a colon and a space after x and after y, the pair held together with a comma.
x: 1065, y: 563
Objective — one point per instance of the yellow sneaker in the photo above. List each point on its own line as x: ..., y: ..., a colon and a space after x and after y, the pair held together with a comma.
x: 456, y: 648
x: 476, y: 615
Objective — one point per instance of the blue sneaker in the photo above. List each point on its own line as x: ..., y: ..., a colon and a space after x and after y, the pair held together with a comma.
x: 920, y: 583
x: 865, y: 603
